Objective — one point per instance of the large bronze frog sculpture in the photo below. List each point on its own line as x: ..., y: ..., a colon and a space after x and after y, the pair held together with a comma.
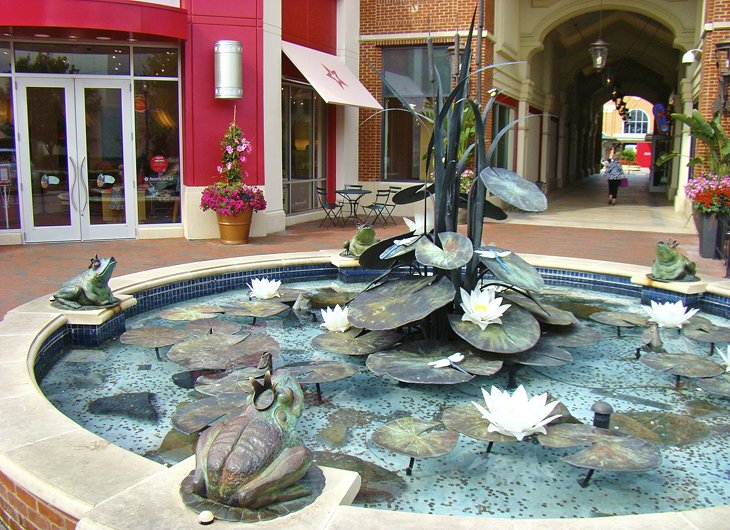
x: 90, y: 288
x: 363, y: 239
x: 671, y: 265
x: 257, y: 458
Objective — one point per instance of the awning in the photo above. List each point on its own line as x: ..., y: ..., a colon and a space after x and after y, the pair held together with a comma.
x: 330, y: 77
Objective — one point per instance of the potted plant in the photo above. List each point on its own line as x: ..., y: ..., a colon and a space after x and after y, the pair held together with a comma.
x: 710, y: 196
x: 231, y: 198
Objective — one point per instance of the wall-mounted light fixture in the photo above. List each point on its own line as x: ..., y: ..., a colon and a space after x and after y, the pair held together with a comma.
x: 722, y: 61
x: 228, y: 68
x: 690, y: 56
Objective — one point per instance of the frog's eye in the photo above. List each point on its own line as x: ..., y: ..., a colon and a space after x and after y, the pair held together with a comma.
x: 286, y: 397
x: 95, y: 263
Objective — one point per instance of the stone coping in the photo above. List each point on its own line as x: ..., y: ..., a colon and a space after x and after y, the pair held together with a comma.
x: 107, y: 487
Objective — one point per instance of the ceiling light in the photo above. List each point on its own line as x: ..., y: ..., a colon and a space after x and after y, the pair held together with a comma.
x: 101, y: 37
x: 41, y: 35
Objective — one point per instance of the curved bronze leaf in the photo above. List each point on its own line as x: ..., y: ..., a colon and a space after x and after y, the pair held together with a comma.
x: 216, y: 325
x: 573, y: 336
x: 662, y: 428
x: 467, y: 420
x: 191, y: 312
x: 513, y: 189
x: 682, y: 364
x: 196, y: 416
x: 456, y: 251
x: 512, y: 269
x: 413, y: 368
x: 256, y: 308
x: 622, y: 319
x: 355, y: 342
x: 412, y: 194
x: 543, y: 355
x: 546, y: 313
x: 153, y: 336
x: 320, y: 371
x: 719, y: 385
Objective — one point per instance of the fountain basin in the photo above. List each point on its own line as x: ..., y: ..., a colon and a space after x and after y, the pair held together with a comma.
x: 53, y: 469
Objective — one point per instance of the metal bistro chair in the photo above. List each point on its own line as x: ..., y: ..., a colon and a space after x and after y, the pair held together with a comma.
x: 332, y: 210
x: 379, y: 207
x: 390, y: 206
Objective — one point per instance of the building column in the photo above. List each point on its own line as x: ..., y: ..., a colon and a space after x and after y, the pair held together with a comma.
x: 348, y: 117
x: 681, y: 169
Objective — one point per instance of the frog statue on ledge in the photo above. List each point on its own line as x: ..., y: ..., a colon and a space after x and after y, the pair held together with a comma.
x: 363, y: 239
x: 256, y: 458
x: 671, y: 265
x: 90, y: 289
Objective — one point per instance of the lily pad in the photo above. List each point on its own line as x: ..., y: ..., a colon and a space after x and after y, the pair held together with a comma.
x: 513, y: 189
x: 519, y: 331
x: 412, y: 194
x: 355, y: 342
x: 622, y: 319
x: 491, y: 210
x: 409, y: 436
x: 378, y: 484
x: 328, y: 297
x: 320, y: 372
x: 562, y: 435
x: 399, y: 302
x: 401, y: 247
x: 719, y: 385
x: 153, y: 336
x: 409, y: 363
x: 456, y: 251
x: 662, y: 428
x: 543, y: 312
x: 205, y: 326
x: 188, y: 378
x: 177, y: 446
x: 682, y: 364
x: 222, y: 351
x: 288, y: 295
x: 467, y: 420
x: 512, y: 269
x: 543, y: 355
x: 709, y: 333
x: 370, y: 258
x: 573, y: 336
x: 256, y: 308
x: 617, y: 453
x: 197, y: 415
x: 234, y: 382
x: 191, y: 312
x: 248, y: 352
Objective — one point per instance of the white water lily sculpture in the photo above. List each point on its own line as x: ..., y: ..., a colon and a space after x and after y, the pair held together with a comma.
x: 725, y: 356
x: 263, y: 288
x: 335, y: 319
x: 668, y: 314
x: 482, y: 307
x: 516, y: 415
x: 421, y: 224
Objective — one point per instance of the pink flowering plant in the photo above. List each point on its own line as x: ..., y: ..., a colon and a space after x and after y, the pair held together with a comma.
x: 231, y: 195
x: 709, y: 193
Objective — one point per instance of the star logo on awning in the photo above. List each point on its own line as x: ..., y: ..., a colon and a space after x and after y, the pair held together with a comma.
x: 332, y: 74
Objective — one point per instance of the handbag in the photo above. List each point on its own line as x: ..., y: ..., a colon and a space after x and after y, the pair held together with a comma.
x: 624, y: 182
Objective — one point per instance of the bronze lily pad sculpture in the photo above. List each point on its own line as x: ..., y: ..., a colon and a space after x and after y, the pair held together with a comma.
x: 682, y: 365
x: 249, y: 467
x: 153, y: 337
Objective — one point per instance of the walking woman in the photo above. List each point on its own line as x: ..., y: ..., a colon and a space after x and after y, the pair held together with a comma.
x: 614, y: 174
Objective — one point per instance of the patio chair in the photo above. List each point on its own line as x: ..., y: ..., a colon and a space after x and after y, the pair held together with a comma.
x: 332, y: 210
x: 379, y: 207
x: 390, y: 206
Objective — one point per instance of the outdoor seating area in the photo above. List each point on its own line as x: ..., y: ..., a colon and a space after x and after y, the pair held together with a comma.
x: 347, y: 207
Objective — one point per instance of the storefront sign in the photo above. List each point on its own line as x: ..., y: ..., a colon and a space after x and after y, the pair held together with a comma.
x: 158, y: 164
x: 140, y: 104
x: 660, y: 114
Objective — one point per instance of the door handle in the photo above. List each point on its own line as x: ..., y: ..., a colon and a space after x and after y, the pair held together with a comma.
x: 71, y: 191
x: 84, y: 183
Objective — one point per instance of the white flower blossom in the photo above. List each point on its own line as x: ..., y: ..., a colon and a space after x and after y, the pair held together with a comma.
x: 447, y: 361
x: 668, y: 314
x: 263, y: 288
x: 516, y: 415
x: 335, y: 319
x: 482, y: 308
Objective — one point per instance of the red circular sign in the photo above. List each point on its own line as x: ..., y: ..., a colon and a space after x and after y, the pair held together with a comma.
x: 158, y: 164
x: 140, y: 104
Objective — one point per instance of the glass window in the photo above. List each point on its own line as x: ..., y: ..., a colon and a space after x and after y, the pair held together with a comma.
x: 502, y: 116
x: 304, y: 138
x: 155, y: 62
x: 157, y: 130
x: 5, y: 60
x: 638, y: 122
x: 405, y: 140
x: 71, y: 59
x: 9, y: 211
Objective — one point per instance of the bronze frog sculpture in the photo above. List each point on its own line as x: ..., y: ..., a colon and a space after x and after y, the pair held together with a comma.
x: 256, y: 458
x: 363, y: 239
x: 671, y: 265
x: 90, y: 288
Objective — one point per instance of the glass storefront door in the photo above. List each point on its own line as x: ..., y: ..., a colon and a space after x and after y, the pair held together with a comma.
x: 76, y: 161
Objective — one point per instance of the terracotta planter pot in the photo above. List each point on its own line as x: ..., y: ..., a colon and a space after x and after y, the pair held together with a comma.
x: 234, y: 229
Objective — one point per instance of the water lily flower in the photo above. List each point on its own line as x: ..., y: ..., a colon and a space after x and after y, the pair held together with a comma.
x: 482, y: 308
x: 668, y: 314
x: 421, y: 224
x: 335, y: 319
x: 447, y: 361
x: 725, y: 356
x: 263, y: 288
x: 516, y: 415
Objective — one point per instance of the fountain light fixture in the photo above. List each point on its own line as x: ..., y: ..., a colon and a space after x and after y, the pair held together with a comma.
x: 599, y: 48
